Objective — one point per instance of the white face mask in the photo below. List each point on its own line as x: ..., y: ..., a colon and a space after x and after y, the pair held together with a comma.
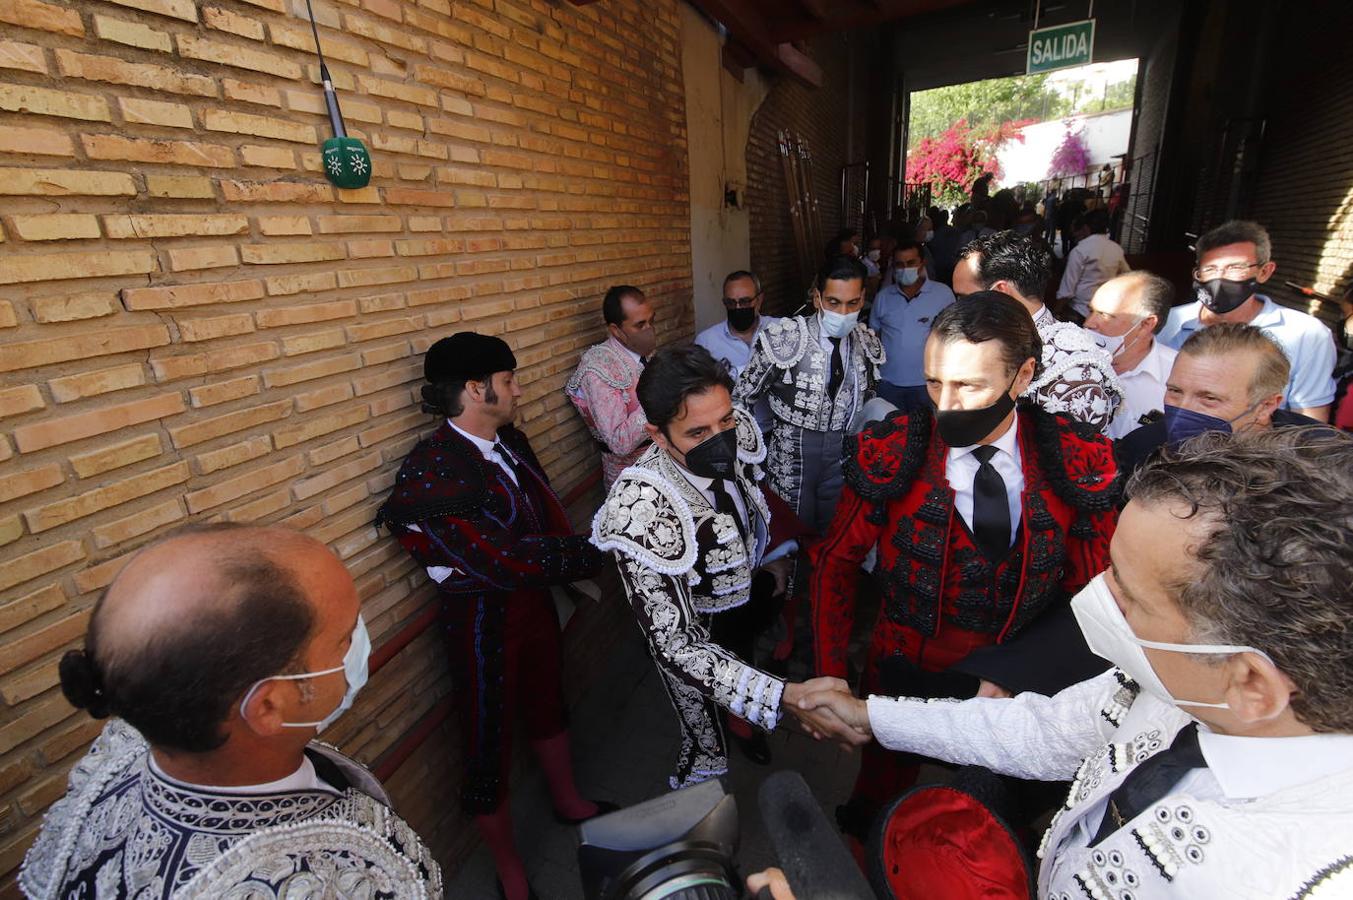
x: 875, y: 254
x: 1109, y: 636
x: 907, y: 276
x: 1114, y: 345
x: 927, y: 237
x: 837, y: 325
x: 353, y: 669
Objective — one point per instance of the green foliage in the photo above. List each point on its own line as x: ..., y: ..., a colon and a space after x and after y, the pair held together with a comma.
x: 985, y: 104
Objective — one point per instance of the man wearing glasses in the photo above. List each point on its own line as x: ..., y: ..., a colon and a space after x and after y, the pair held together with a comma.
x: 1234, y: 259
x: 816, y: 372
x: 732, y: 340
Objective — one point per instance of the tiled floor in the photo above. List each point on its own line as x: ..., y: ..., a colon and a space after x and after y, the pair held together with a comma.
x: 624, y: 741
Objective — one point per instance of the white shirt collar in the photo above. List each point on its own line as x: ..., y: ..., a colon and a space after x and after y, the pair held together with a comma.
x: 1156, y: 363
x: 305, y: 778
x: 1043, y: 313
x: 1006, y: 442
x: 485, y: 447
x: 1257, y: 767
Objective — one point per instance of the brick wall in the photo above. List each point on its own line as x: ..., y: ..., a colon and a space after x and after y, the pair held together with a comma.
x: 195, y: 325
x: 822, y: 117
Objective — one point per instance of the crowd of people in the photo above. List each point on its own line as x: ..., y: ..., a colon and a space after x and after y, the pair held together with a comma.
x: 1120, y: 548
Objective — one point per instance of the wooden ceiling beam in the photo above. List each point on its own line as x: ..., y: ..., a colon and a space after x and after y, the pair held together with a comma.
x: 745, y: 25
x: 857, y: 16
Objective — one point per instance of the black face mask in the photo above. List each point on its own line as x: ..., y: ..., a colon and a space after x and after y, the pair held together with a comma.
x: 714, y: 457
x: 742, y: 318
x: 1222, y: 296
x: 965, y: 427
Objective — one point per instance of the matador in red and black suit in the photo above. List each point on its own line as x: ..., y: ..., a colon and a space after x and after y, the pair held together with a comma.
x: 472, y: 505
x: 942, y: 598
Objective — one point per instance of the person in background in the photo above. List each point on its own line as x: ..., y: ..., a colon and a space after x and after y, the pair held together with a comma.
x: 1234, y: 261
x: 1227, y: 378
x: 221, y: 651
x: 1125, y: 314
x: 472, y: 506
x: 732, y: 339
x: 1076, y: 376
x: 1094, y: 260
x: 1215, y: 759
x: 943, y: 245
x: 817, y: 372
x: 602, y: 387
x: 873, y: 257
x: 981, y: 189
x: 901, y: 316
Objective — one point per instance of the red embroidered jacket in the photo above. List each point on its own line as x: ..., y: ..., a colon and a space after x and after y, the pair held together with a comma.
x: 938, y: 589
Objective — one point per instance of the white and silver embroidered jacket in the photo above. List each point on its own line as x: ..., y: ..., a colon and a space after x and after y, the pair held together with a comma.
x: 680, y: 562
x: 124, y: 831
x: 791, y: 369
x: 1078, y: 377
x: 1197, y: 841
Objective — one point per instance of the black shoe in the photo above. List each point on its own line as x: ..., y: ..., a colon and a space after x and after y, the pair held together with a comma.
x: 755, y: 748
x: 603, y: 808
x: 502, y: 894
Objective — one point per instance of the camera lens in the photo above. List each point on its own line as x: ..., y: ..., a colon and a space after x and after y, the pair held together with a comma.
x: 687, y: 870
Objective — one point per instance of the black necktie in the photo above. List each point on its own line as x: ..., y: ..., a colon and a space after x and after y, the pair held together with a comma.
x: 838, y: 373
x: 1152, y: 780
x: 990, y: 506
x: 723, y: 502
x: 512, y: 463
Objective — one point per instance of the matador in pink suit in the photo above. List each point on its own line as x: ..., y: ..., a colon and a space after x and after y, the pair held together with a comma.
x: 602, y: 387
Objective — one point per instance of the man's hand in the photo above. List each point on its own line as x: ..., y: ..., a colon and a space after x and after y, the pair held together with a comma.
x: 779, y: 570
x: 837, y: 714
x: 818, y: 704
x: 772, y: 879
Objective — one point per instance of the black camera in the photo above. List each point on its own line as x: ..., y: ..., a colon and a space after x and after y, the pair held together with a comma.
x: 680, y: 845
x: 683, y: 845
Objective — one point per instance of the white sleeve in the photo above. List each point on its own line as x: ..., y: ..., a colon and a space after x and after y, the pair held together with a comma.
x: 1027, y: 736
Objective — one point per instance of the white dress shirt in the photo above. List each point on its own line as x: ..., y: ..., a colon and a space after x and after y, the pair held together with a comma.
x: 706, y: 487
x: 493, y: 451
x: 961, y: 470
x: 1092, y: 262
x: 1143, y: 389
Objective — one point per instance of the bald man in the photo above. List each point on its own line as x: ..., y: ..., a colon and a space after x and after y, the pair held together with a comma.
x: 220, y: 652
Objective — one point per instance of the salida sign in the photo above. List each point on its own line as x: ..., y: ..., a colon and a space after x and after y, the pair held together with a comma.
x: 1060, y: 46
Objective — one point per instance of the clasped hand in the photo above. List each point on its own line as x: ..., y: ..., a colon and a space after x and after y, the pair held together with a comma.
x: 827, y: 710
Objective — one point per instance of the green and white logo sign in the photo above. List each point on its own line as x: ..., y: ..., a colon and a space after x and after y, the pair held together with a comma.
x: 1061, y: 46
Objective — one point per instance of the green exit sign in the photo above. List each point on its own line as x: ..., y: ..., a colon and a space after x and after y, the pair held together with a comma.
x: 1061, y: 46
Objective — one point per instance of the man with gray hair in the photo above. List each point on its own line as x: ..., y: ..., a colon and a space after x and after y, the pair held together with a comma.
x: 1215, y: 757
x: 1234, y: 260
x: 220, y: 653
x: 1125, y: 314
x: 1227, y: 378
x: 732, y: 339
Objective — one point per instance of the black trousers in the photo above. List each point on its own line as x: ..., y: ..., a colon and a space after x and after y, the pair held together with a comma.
x: 737, y: 629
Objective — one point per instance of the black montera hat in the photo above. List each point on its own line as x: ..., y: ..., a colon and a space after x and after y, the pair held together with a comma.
x: 466, y: 356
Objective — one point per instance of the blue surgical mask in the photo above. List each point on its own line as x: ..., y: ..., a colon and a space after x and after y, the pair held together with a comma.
x: 1182, y: 424
x: 906, y: 276
x: 354, y: 669
x: 838, y: 325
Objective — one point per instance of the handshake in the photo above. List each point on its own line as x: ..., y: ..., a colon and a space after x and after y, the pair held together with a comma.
x: 826, y: 709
